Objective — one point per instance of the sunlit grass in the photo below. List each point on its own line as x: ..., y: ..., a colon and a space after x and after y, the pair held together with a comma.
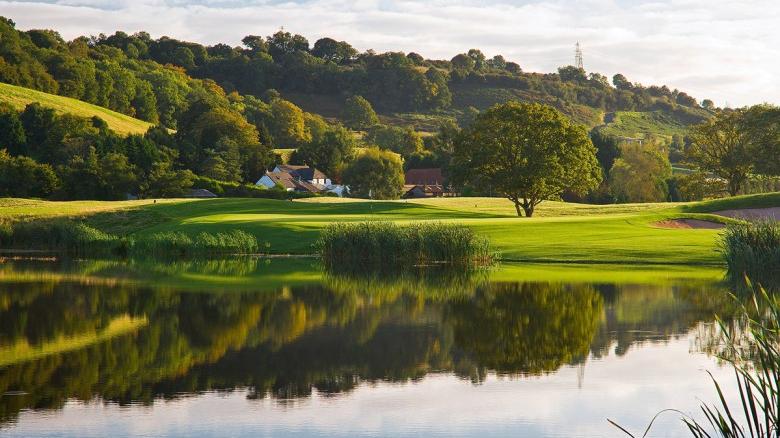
x: 562, y: 232
x: 19, y: 97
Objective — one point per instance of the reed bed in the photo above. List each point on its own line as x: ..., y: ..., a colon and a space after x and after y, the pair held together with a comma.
x: 752, y: 250
x: 751, y: 345
x: 178, y: 244
x: 61, y: 235
x: 387, y: 245
x: 77, y: 238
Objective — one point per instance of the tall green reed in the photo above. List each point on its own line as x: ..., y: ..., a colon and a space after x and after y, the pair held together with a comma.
x: 751, y: 348
x: 388, y: 245
x: 752, y: 250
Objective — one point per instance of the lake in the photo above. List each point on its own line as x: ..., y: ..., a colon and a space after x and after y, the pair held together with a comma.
x: 255, y: 347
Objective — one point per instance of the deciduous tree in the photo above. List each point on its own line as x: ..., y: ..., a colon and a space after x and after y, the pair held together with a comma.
x: 528, y: 153
x: 375, y: 174
x: 358, y: 113
x: 724, y: 147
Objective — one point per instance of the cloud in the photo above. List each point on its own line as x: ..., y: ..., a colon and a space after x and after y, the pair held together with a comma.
x: 726, y: 51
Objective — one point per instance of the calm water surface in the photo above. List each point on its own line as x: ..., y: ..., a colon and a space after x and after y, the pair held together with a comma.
x: 252, y: 348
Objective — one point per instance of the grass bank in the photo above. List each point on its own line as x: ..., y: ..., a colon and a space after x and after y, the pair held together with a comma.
x: 19, y: 97
x: 562, y: 232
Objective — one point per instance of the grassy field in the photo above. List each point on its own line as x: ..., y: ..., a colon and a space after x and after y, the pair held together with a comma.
x: 562, y: 232
x: 19, y: 97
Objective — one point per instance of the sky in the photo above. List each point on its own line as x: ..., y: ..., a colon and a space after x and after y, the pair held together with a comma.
x: 727, y: 51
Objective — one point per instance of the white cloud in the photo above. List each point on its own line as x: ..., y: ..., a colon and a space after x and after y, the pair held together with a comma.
x: 724, y: 50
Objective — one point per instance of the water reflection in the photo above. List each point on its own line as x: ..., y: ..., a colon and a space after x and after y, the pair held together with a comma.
x: 122, y: 333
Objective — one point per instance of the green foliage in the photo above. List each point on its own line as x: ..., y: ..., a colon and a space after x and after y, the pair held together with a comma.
x: 399, y: 140
x: 22, y: 177
x: 375, y: 174
x: 288, y: 128
x: 528, y: 153
x: 329, y: 150
x: 12, y: 135
x: 61, y: 235
x: 725, y: 147
x: 752, y: 250
x: 176, y: 244
x: 386, y: 245
x: 358, y: 113
x: 164, y: 182
x: 640, y: 174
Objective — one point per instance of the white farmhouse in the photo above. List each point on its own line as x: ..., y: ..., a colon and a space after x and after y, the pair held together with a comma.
x: 299, y: 179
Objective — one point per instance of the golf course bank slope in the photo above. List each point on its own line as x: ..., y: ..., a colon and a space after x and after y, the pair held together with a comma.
x: 561, y: 232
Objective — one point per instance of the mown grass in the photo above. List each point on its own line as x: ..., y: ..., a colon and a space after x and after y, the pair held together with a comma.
x: 562, y: 232
x: 19, y: 97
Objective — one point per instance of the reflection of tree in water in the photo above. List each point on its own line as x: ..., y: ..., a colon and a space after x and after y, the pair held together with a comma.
x: 288, y: 343
x: 526, y: 328
x: 634, y: 314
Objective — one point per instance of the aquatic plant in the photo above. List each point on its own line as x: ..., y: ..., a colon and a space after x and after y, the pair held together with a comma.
x: 77, y: 238
x: 387, y: 245
x: 178, y: 244
x: 61, y: 235
x: 752, y: 348
x: 752, y: 249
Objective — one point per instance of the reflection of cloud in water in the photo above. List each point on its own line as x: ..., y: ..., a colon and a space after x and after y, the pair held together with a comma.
x: 438, y: 405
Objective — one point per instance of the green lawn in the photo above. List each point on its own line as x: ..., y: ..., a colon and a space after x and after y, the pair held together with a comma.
x: 562, y: 232
x: 19, y: 97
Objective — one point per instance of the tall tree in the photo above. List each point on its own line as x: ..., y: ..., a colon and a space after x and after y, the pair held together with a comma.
x: 358, y: 113
x: 528, y: 153
x: 725, y: 147
x: 375, y: 174
x: 640, y: 174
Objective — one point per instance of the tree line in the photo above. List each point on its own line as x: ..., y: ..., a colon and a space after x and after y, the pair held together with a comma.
x: 147, y: 78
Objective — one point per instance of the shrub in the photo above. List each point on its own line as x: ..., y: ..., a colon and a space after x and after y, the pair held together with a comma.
x: 387, y: 245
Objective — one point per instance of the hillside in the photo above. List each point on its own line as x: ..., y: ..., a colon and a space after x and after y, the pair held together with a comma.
x: 19, y: 97
x: 153, y: 80
x: 634, y: 124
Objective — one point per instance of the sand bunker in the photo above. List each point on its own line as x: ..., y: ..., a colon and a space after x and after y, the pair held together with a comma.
x: 771, y: 213
x: 689, y: 224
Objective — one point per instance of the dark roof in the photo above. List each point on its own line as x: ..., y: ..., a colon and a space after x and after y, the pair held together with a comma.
x: 303, y: 172
x: 288, y: 181
x: 424, y: 176
x: 200, y: 193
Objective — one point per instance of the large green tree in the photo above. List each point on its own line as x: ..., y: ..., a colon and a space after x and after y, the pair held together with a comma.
x: 725, y: 147
x: 528, y: 153
x: 358, y: 113
x: 375, y: 174
x: 640, y: 174
x: 329, y: 151
x: 400, y: 140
